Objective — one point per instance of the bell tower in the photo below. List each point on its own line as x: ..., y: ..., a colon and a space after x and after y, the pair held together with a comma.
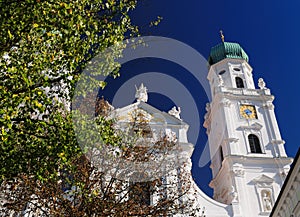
x: 248, y: 159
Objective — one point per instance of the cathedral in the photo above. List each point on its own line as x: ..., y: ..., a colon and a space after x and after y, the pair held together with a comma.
x: 251, y: 174
x: 248, y: 160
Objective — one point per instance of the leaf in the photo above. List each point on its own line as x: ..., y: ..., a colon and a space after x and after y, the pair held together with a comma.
x: 102, y: 84
x: 9, y: 34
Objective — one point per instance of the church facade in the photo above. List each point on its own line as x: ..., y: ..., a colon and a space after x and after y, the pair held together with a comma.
x: 248, y: 159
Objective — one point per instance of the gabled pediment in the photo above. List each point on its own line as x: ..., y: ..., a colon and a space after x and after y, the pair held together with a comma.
x: 152, y: 114
x: 257, y: 126
x: 263, y: 179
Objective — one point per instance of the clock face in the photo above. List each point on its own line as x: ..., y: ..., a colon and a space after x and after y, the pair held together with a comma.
x: 248, y: 111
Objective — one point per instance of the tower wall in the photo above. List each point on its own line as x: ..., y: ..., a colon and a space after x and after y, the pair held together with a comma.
x: 248, y: 159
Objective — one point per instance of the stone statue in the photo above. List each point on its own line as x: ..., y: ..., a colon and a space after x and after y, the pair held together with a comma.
x: 175, y: 112
x: 141, y: 93
x: 267, y: 202
x: 207, y: 107
x: 261, y: 83
x: 221, y: 82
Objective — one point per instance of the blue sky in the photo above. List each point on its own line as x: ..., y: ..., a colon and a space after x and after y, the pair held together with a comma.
x: 269, y: 31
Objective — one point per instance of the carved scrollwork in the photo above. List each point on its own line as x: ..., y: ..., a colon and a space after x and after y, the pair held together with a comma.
x: 283, y: 173
x: 226, y: 102
x: 269, y: 105
x: 238, y: 170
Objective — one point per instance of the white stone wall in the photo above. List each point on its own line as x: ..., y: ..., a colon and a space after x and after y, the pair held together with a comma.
x: 248, y: 182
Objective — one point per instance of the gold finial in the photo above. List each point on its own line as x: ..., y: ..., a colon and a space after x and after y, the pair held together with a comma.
x: 222, y: 36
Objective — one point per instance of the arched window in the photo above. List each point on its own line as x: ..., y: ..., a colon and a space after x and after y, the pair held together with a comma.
x: 254, y: 144
x: 239, y: 82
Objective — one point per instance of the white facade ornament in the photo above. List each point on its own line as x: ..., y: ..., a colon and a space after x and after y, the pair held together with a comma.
x: 226, y: 102
x: 283, y: 173
x: 233, y: 194
x: 267, y: 201
x: 207, y: 108
x: 141, y: 93
x: 277, y: 142
x: 231, y: 140
x: 175, y: 112
x: 269, y: 105
x: 220, y: 80
x: 252, y: 128
x: 238, y: 170
x: 261, y: 83
x: 233, y: 162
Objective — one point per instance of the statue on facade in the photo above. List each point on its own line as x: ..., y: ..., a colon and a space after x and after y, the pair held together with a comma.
x: 175, y: 112
x: 221, y: 82
x: 207, y: 108
x: 261, y: 83
x: 267, y: 201
x: 141, y: 93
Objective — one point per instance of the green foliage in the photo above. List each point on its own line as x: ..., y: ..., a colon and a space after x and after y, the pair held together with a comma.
x: 44, y: 46
x: 93, y: 185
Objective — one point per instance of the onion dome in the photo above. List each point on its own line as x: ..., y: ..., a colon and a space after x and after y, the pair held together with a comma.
x: 226, y: 50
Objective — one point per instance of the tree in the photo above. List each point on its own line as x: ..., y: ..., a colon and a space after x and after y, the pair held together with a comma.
x: 44, y: 46
x: 93, y: 190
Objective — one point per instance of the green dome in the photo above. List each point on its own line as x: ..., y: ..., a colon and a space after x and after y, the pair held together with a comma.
x: 226, y: 50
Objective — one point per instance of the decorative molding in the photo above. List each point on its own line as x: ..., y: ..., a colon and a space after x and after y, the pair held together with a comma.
x: 226, y: 102
x: 233, y: 195
x: 278, y: 142
x: 256, y: 126
x: 245, y: 101
x: 265, y: 193
x: 263, y: 181
x: 238, y: 170
x: 231, y: 140
x: 283, y: 173
x: 268, y: 105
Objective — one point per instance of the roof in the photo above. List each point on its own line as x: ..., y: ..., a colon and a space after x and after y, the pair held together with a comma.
x: 154, y: 114
x: 226, y: 50
x: 288, y: 180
